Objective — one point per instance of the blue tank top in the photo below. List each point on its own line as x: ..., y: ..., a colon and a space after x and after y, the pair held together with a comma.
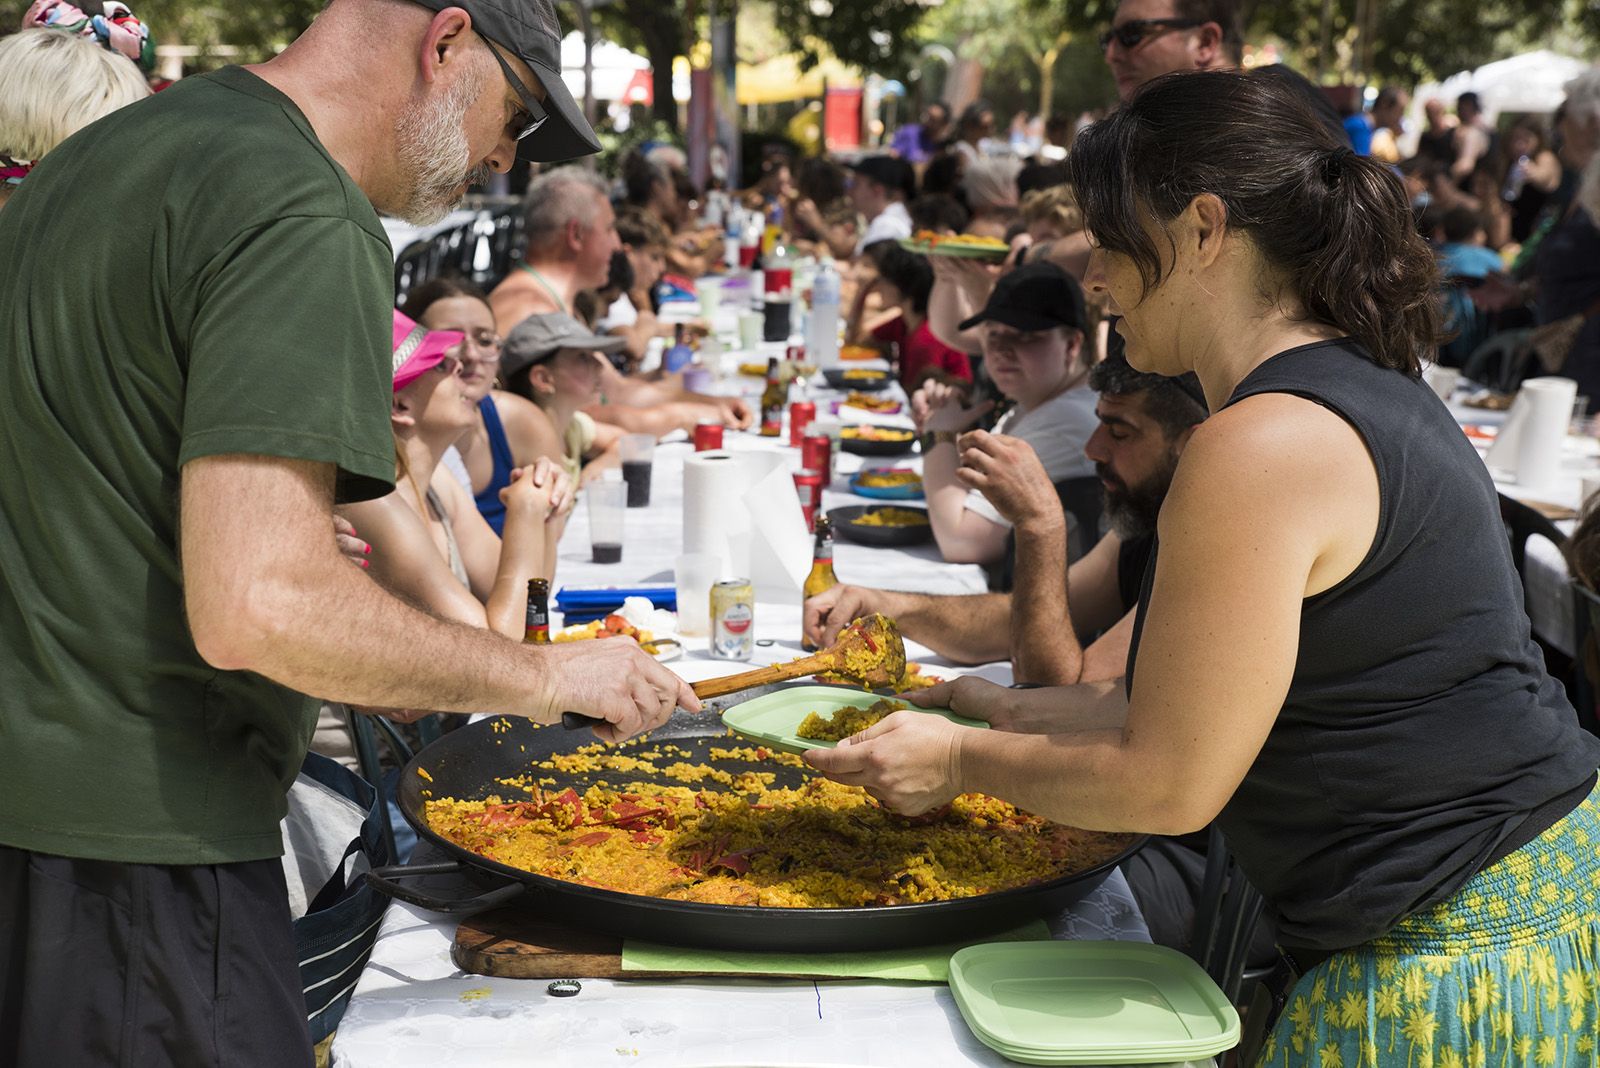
x: 488, y: 501
x: 1420, y: 731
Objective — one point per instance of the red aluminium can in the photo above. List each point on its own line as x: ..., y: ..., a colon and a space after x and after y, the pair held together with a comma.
x: 707, y: 436
x: 816, y: 454
x: 800, y: 415
x: 808, y: 484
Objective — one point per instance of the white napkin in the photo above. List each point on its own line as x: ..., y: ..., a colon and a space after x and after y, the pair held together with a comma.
x: 1528, y: 447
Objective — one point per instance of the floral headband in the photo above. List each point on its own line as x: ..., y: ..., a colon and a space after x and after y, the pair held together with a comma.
x: 115, y: 28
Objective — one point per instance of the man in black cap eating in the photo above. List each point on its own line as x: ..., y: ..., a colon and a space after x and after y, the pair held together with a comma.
x: 195, y: 343
x: 1033, y: 350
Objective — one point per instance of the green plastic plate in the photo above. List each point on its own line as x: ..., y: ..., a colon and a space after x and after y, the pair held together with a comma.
x: 958, y: 249
x: 774, y: 717
x: 1091, y: 1003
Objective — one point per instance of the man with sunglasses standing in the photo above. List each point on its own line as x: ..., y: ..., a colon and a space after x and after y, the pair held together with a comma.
x: 195, y: 355
x: 1149, y: 38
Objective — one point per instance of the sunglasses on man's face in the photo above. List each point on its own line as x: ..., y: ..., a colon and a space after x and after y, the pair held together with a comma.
x: 1135, y: 32
x: 533, y: 115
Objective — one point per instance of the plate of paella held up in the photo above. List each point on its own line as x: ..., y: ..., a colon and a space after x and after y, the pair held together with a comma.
x: 966, y: 246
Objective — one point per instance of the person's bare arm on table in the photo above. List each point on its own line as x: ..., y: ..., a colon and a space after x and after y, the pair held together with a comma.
x: 499, y: 567
x: 965, y: 628
x: 1052, y: 605
x: 267, y: 591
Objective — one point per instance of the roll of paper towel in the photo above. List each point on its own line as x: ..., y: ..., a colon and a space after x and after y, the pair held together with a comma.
x: 716, y: 518
x: 1528, y: 446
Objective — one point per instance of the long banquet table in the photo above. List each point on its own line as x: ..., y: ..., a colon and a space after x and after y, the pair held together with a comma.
x: 412, y: 1005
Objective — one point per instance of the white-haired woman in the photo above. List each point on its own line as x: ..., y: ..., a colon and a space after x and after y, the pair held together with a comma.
x: 62, y: 72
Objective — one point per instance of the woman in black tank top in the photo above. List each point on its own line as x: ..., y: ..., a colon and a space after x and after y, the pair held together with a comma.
x: 1331, y: 657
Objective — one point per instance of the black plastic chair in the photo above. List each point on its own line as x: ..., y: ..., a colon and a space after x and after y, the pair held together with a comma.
x: 1586, y: 627
x: 1082, y: 498
x: 365, y: 731
x: 1225, y: 919
x: 1522, y: 523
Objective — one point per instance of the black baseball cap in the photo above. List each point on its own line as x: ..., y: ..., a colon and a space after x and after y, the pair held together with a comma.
x: 1035, y: 296
x: 529, y: 29
x: 891, y: 172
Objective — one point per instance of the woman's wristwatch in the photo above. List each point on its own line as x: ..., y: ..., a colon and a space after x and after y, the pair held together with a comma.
x: 939, y: 437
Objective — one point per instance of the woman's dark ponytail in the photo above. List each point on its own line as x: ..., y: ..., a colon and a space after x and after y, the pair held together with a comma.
x: 1336, y: 227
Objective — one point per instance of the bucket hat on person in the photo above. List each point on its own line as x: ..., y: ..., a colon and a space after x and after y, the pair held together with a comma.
x: 418, y: 350
x: 539, y: 337
x: 529, y: 30
x: 1035, y: 296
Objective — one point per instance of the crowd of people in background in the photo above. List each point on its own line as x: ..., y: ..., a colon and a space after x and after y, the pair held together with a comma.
x: 1046, y: 455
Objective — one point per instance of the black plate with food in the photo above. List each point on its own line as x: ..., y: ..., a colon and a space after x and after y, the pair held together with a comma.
x: 486, y: 759
x: 867, y: 440
x: 857, y: 378
x: 895, y: 524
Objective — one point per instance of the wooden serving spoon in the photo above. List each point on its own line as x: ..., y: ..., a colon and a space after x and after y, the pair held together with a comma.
x: 868, y: 652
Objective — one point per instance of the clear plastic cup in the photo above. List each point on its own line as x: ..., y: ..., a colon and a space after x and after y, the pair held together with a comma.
x: 694, y: 574
x: 608, y: 505
x: 638, y: 457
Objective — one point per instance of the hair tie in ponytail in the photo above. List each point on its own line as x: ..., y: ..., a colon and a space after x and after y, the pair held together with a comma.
x: 1333, y: 164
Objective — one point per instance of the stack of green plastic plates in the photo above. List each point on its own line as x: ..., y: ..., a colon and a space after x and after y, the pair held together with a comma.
x: 1091, y: 1003
x: 773, y: 718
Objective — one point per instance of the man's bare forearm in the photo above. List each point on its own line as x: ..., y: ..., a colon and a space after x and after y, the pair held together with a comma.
x: 1044, y: 647
x: 966, y: 628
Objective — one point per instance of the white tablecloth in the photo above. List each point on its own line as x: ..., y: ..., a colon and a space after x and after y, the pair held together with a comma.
x: 412, y: 1007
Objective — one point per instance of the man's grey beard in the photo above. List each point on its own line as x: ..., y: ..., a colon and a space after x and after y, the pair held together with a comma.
x: 434, y: 150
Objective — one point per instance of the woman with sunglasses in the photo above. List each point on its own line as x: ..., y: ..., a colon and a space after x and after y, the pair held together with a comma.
x: 1331, y: 658
x: 509, y: 431
x: 429, y: 543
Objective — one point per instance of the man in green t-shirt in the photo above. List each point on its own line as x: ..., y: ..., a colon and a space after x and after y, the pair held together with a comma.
x: 195, y: 329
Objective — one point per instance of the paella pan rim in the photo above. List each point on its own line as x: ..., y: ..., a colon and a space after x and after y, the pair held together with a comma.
x: 695, y: 923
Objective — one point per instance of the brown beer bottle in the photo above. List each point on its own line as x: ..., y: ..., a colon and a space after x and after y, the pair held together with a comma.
x: 822, y: 576
x: 773, y: 400
x: 538, y: 625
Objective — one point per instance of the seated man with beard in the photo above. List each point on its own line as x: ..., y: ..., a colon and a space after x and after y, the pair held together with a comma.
x: 1060, y: 625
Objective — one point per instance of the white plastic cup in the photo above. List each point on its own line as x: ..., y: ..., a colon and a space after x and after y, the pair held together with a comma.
x: 710, y: 292
x: 694, y: 574
x: 750, y: 326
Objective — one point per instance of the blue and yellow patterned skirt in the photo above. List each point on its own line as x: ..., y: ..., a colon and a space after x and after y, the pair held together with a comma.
x: 1506, y: 972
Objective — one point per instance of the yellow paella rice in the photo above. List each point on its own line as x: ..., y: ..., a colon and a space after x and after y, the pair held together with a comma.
x: 892, y: 517
x: 846, y: 721
x: 889, y: 479
x: 913, y: 679
x: 817, y: 845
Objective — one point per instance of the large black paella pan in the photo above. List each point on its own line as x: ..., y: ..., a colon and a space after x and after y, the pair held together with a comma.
x: 467, y: 764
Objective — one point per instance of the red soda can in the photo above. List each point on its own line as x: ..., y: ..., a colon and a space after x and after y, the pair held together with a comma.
x: 797, y: 353
x: 800, y: 415
x: 707, y: 436
x: 816, y: 454
x: 808, y: 484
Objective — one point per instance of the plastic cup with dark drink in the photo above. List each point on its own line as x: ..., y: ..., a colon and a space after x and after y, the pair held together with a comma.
x: 608, y: 504
x: 638, y: 457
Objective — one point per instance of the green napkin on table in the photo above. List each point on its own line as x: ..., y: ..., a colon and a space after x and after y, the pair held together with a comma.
x: 918, y: 964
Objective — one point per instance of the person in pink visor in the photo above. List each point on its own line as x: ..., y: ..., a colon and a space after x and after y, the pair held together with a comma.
x: 429, y: 542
